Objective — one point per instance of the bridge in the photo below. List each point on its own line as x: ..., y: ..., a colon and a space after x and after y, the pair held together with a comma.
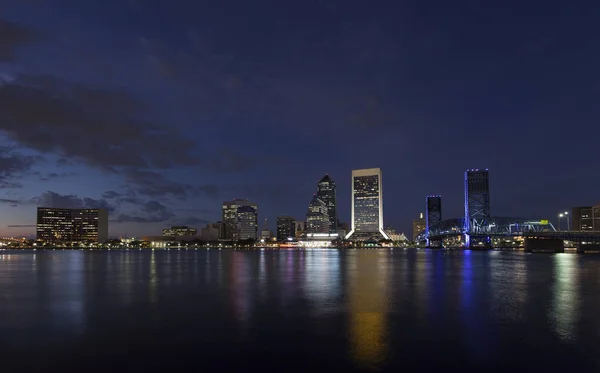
x: 485, y: 234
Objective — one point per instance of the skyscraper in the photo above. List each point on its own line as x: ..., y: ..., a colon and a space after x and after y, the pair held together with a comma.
x: 326, y: 193
x: 477, y: 200
x: 286, y: 228
x: 72, y: 225
x: 240, y: 218
x: 419, y: 226
x: 317, y: 219
x: 367, y: 205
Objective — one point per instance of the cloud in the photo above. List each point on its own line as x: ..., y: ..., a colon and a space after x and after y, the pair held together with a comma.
x: 11, y: 202
x: 150, y: 212
x: 101, y: 127
x: 13, y: 36
x: 191, y: 221
x: 110, y: 194
x: 13, y: 166
x: 53, y: 199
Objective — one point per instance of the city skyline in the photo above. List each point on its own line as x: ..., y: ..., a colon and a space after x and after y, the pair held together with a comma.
x: 179, y: 115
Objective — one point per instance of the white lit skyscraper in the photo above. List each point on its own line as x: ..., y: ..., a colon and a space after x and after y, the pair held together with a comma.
x: 367, y: 205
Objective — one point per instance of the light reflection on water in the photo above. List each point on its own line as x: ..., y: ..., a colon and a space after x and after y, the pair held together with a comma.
x: 367, y: 309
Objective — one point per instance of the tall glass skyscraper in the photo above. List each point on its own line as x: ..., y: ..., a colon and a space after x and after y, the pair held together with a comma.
x: 317, y: 220
x: 367, y: 205
x: 326, y: 193
x: 240, y: 218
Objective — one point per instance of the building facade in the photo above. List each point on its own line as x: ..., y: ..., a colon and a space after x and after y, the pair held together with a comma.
x: 326, y: 193
x: 419, y: 225
x: 477, y: 200
x: 286, y: 228
x: 180, y: 230
x: 586, y: 218
x: 71, y: 225
x: 367, y: 205
x: 583, y: 219
x: 240, y: 220
x: 317, y: 219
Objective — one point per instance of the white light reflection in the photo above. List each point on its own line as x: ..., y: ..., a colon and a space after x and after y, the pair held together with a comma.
x: 322, y: 280
x: 566, y: 300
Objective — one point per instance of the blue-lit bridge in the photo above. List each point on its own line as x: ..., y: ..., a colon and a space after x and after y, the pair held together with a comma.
x: 493, y: 232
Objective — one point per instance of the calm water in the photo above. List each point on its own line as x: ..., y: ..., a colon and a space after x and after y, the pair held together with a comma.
x: 355, y: 310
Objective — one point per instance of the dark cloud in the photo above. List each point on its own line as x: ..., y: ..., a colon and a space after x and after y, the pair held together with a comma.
x: 111, y: 194
x: 154, y: 184
x: 54, y: 175
x: 150, y: 212
x: 53, y: 199
x: 11, y: 202
x: 13, y: 166
x: 192, y: 221
x: 101, y: 127
x: 13, y: 36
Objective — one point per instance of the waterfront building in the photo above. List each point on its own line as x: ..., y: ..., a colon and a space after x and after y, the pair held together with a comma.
x: 211, y: 232
x: 300, y: 228
x: 317, y: 220
x: 419, y: 225
x: 180, y: 230
x: 265, y: 234
x: 72, y: 225
x: 367, y: 205
x: 477, y: 200
x: 286, y: 228
x: 326, y: 193
x: 393, y: 235
x: 240, y: 218
x: 583, y: 219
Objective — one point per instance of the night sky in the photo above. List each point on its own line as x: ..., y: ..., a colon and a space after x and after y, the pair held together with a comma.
x: 160, y: 110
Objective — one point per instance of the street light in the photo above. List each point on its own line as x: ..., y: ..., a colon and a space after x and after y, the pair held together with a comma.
x: 559, y: 216
x: 568, y: 224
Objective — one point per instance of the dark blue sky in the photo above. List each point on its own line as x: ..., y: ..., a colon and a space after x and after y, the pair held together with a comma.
x: 160, y: 110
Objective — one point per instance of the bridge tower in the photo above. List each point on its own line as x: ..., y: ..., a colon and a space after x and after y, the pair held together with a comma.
x: 433, y: 212
x: 477, y: 203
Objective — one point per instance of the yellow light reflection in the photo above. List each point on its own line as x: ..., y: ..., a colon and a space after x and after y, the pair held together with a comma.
x: 367, y: 281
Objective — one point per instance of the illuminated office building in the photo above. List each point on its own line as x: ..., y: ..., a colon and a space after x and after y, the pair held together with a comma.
x: 419, y: 225
x: 317, y: 220
x: 71, y: 225
x: 367, y: 205
x: 180, y: 230
x: 586, y: 219
x: 240, y: 219
x: 286, y: 228
x: 326, y: 193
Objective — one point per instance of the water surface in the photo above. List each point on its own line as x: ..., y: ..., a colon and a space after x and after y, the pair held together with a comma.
x: 293, y: 310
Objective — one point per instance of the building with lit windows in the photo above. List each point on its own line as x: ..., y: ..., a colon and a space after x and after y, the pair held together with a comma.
x: 71, y: 225
x: 367, y: 205
x: 586, y: 219
x: 419, y: 226
x: 286, y: 228
x: 240, y: 220
x: 317, y: 219
x: 180, y: 230
x: 326, y: 193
